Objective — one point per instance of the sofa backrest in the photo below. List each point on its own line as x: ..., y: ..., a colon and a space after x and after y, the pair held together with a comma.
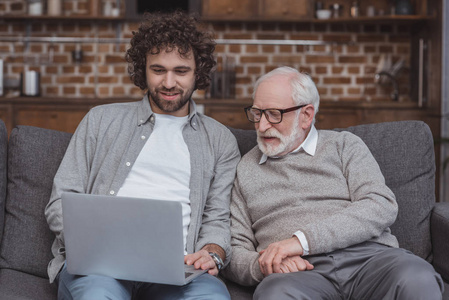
x: 404, y: 151
x: 3, y: 157
x: 34, y: 155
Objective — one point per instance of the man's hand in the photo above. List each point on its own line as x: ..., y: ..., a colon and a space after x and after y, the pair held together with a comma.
x: 271, y: 258
x: 202, y: 259
x: 295, y: 264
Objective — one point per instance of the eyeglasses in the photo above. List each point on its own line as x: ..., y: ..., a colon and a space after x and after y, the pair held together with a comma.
x: 273, y: 115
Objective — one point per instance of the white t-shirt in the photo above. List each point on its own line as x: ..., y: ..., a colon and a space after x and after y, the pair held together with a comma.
x: 162, y: 169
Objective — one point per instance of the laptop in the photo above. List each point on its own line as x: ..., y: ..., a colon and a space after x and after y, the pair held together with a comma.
x: 125, y: 238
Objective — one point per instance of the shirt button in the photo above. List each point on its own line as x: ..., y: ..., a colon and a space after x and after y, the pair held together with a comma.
x: 128, y: 164
x: 141, y: 121
x: 152, y: 119
x: 143, y: 137
x: 112, y: 192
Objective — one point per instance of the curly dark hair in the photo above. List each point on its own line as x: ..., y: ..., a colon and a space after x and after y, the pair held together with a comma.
x: 165, y: 32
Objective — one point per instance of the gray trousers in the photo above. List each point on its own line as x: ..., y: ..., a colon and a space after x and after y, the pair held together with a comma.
x: 365, y: 271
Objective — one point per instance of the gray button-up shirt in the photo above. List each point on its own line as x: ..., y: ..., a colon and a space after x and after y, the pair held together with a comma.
x: 106, y: 145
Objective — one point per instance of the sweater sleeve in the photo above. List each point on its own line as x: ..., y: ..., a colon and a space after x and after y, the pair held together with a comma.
x: 372, y: 207
x: 244, y: 266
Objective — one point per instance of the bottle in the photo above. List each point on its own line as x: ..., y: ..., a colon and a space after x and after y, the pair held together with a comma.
x: 370, y: 11
x: 107, y: 8
x: 336, y: 10
x: 354, y: 9
x: 54, y: 7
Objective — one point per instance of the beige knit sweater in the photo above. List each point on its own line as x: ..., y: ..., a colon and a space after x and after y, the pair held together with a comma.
x: 337, y: 197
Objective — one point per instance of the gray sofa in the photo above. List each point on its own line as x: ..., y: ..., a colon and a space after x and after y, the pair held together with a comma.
x: 28, y: 162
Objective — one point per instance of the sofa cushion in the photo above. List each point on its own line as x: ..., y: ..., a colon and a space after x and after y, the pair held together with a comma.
x: 237, y: 291
x: 17, y: 285
x: 34, y: 155
x: 3, y: 155
x: 404, y: 151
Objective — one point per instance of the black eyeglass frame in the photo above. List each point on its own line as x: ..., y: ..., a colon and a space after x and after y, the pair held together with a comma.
x: 282, y: 111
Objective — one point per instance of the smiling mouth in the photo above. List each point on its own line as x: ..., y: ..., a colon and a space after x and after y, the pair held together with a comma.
x: 169, y: 95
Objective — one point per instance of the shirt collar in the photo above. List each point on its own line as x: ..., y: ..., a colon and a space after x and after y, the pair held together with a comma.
x: 145, y: 114
x: 308, y: 145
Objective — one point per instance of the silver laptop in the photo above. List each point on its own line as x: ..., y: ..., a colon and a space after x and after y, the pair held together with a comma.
x: 125, y: 238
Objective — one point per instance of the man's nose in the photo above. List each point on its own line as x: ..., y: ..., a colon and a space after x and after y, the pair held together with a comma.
x: 263, y: 124
x: 169, y: 80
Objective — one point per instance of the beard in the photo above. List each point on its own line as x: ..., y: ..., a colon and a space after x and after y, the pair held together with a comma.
x: 286, y: 142
x: 170, y: 106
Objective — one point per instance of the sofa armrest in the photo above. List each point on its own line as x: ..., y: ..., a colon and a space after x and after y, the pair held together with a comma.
x: 439, y: 227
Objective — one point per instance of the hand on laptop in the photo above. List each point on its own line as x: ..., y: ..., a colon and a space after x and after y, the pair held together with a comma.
x: 203, y: 260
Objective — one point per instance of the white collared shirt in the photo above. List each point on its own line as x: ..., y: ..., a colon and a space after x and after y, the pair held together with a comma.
x: 309, y: 146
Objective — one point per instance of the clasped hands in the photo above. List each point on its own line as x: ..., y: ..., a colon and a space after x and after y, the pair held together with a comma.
x: 283, y: 257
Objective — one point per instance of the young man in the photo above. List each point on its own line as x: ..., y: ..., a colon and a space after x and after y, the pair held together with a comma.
x: 310, y: 211
x: 159, y: 146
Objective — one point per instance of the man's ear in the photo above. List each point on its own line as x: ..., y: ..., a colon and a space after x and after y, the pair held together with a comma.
x: 308, y: 115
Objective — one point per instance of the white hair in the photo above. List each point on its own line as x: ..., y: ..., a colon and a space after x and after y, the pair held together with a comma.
x: 304, y: 90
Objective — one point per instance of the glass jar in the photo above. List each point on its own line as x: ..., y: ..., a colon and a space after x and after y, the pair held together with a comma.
x: 35, y: 8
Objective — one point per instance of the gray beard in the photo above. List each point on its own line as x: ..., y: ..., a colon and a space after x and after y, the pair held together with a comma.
x: 286, y: 142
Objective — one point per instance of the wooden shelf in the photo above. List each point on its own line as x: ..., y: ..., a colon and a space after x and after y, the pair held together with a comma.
x: 66, y: 113
x: 375, y: 19
x: 386, y: 18
x: 363, y: 19
x: 210, y: 102
x: 60, y: 18
x: 62, y: 100
x: 323, y: 103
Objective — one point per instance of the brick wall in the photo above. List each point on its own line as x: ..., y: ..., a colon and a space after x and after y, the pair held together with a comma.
x: 343, y: 70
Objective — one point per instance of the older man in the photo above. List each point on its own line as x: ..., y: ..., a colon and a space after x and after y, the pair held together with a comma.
x: 311, y: 211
